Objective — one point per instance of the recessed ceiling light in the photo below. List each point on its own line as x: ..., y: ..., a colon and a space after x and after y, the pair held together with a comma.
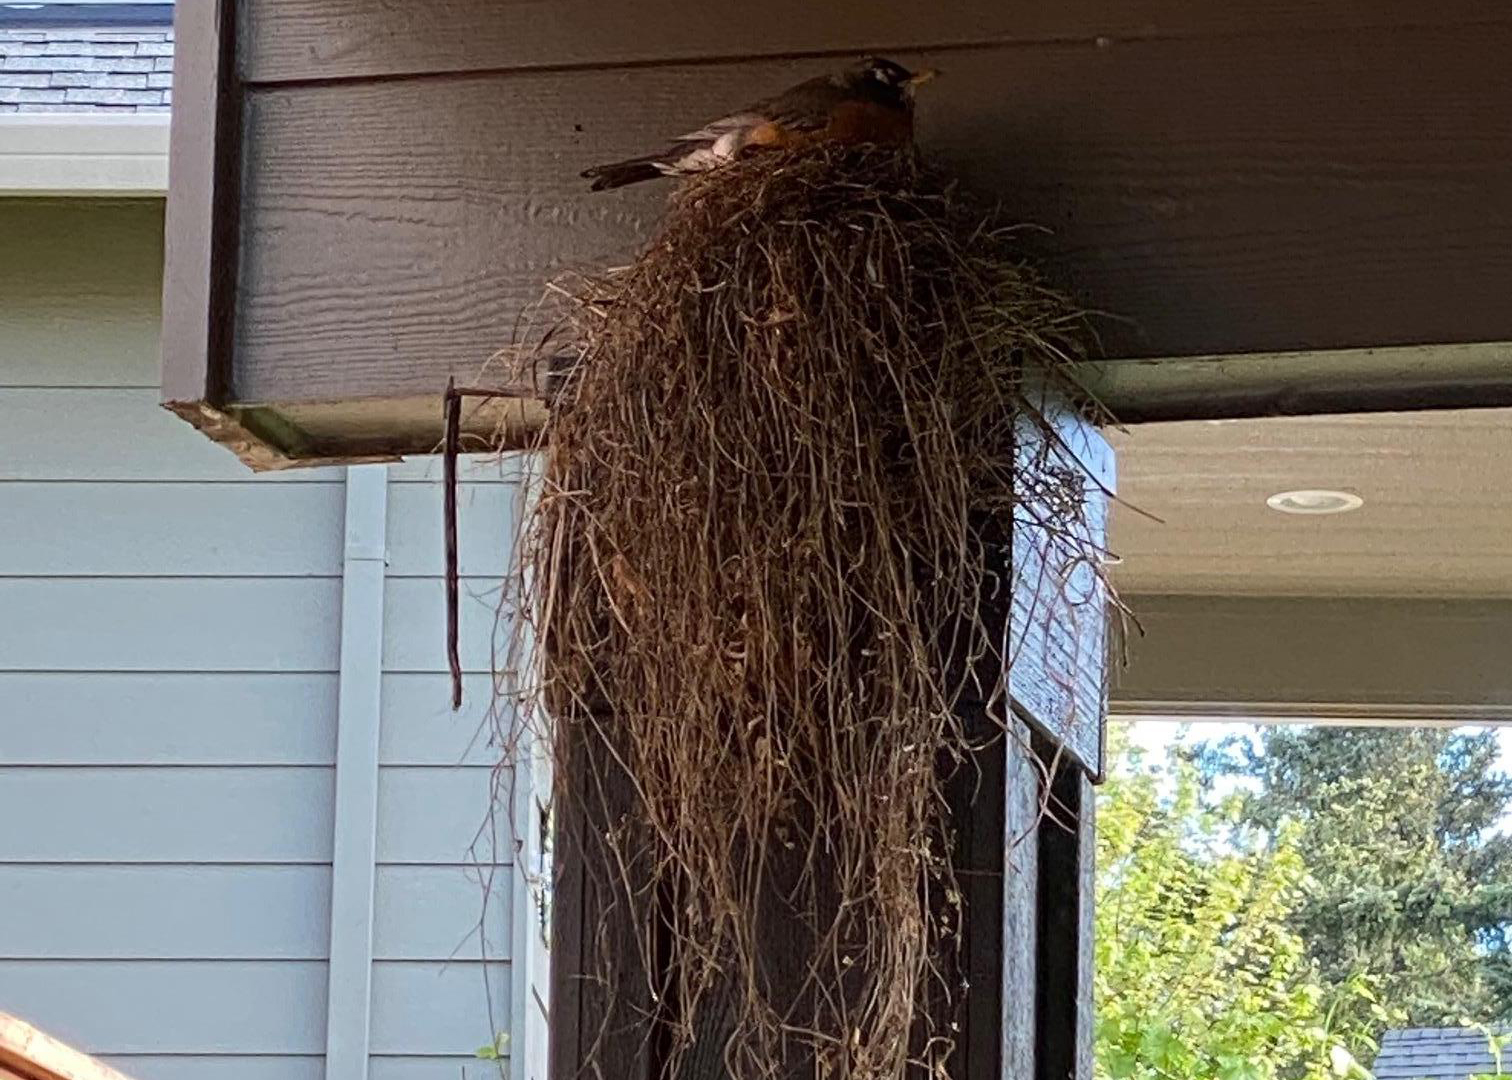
x: 1314, y: 501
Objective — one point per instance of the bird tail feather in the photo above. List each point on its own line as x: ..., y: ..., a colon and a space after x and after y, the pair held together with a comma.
x: 619, y: 173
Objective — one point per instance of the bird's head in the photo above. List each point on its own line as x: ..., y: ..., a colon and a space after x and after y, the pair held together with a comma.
x: 887, y: 79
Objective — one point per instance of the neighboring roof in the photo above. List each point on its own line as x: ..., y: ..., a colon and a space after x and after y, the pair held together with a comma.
x: 125, y: 69
x: 1433, y: 1054
x: 95, y: 13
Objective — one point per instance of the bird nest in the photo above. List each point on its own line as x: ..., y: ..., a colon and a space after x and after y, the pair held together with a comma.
x: 767, y: 566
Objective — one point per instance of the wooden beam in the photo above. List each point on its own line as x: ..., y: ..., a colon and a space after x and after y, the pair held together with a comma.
x: 30, y: 1054
x: 1294, y: 184
x: 329, y: 39
x: 1058, y: 632
x: 1401, y: 379
x: 199, y: 278
x: 1268, y: 658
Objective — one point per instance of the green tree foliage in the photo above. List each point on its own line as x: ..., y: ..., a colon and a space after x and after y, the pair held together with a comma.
x: 1409, y: 885
x: 1200, y: 973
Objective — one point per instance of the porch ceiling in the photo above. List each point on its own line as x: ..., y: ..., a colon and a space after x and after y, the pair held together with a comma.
x: 1437, y: 490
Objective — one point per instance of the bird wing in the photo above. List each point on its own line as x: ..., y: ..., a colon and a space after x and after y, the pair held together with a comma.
x: 805, y: 107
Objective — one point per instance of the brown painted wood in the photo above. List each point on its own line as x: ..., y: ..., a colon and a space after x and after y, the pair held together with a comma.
x: 204, y: 160
x: 328, y: 39
x: 1272, y: 192
x: 598, y: 1028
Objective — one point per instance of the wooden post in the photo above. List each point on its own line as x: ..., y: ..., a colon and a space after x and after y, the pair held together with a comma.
x: 1022, y: 818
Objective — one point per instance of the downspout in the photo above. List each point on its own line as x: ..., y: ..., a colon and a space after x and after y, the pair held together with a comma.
x: 354, y: 847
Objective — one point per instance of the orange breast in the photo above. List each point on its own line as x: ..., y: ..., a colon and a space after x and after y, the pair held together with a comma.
x: 868, y: 122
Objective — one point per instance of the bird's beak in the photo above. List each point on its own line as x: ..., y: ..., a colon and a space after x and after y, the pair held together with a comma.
x: 919, y: 78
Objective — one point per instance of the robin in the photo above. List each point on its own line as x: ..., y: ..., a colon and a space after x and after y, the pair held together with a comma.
x: 872, y: 102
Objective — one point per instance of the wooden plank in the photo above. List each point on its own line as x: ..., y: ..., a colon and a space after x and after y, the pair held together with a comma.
x: 1410, y: 660
x: 97, y: 912
x: 199, y: 277
x: 420, y: 728
x: 1402, y: 378
x: 82, y: 287
x: 158, y: 624
x: 37, y: 1054
x: 444, y: 815
x: 1086, y: 956
x: 532, y: 893
x: 1063, y: 1000
x: 73, y: 815
x: 167, y: 1006
x: 1226, y: 206
x: 1058, y: 634
x: 437, y: 913
x: 979, y: 818
x: 487, y: 521
x: 437, y: 1007
x: 1022, y: 787
x: 157, y: 718
x: 175, y: 530
x: 219, y: 1067
x: 322, y: 39
x: 113, y: 434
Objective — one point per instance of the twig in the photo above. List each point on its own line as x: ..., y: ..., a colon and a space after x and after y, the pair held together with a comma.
x: 453, y: 417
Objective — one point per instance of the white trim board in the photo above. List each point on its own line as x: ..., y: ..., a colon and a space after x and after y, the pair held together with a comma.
x: 75, y: 154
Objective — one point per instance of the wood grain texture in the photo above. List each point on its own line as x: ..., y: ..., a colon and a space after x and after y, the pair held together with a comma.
x: 1086, y: 918
x: 1271, y: 192
x: 330, y: 39
x: 1058, y: 634
x: 1022, y: 800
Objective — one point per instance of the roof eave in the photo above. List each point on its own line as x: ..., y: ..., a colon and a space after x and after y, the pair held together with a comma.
x: 66, y: 154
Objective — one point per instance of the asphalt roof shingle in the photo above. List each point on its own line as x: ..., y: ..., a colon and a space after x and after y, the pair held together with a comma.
x: 1434, y: 1054
x: 86, y: 70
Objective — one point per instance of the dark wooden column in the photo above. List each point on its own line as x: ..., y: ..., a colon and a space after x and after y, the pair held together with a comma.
x: 1022, y: 820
